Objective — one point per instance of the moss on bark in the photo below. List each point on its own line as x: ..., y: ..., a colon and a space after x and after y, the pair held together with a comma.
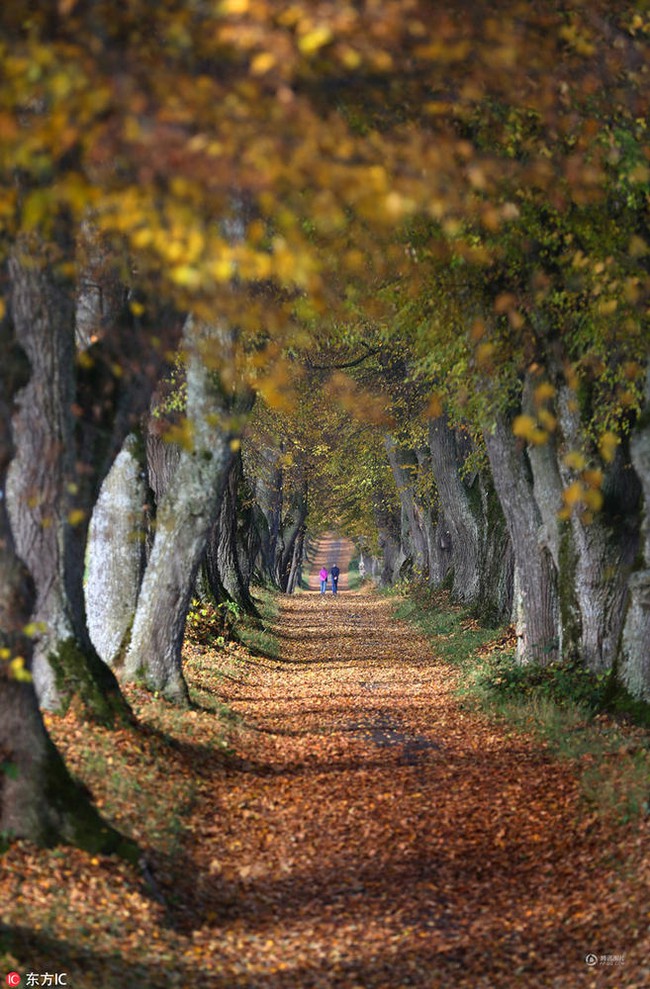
x: 81, y: 674
x: 72, y: 818
x: 571, y: 621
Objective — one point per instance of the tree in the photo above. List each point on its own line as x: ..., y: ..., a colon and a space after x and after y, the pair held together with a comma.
x: 186, y: 514
x: 116, y: 552
x: 39, y: 799
x: 44, y: 489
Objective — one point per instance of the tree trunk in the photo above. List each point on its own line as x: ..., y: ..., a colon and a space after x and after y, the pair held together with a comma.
x: 39, y: 800
x: 603, y: 549
x: 222, y: 562
x: 634, y: 663
x: 388, y: 534
x: 293, y: 527
x: 481, y: 552
x: 184, y: 519
x: 295, y: 573
x: 115, y: 553
x: 404, y: 465
x: 537, y: 605
x: 45, y: 494
x: 434, y: 525
x: 462, y: 523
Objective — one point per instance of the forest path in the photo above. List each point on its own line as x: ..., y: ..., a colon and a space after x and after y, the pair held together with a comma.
x: 378, y: 836
x: 330, y: 549
x: 361, y: 830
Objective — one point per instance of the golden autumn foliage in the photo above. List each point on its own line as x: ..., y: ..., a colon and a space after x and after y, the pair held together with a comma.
x: 271, y: 163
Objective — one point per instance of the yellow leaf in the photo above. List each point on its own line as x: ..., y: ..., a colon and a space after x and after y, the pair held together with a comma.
x: 538, y: 437
x: 524, y: 426
x: 315, y: 39
x: 180, y: 433
x: 637, y: 247
x: 234, y: 6
x: 593, y: 498
x: 17, y: 670
x: 543, y: 392
x: 33, y: 628
x: 477, y: 330
x: 574, y: 460
x: 607, y: 306
x: 185, y: 275
x: 548, y: 420
x: 76, y: 516
x: 573, y: 494
x: 607, y: 445
x: 262, y: 62
x: 350, y: 58
x: 593, y: 478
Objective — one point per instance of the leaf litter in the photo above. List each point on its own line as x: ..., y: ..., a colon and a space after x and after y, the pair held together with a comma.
x: 334, y: 819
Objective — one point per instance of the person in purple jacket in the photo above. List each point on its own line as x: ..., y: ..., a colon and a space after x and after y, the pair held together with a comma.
x: 323, y: 579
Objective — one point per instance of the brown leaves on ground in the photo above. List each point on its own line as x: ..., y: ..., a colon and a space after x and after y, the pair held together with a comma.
x: 360, y: 831
x: 505, y: 641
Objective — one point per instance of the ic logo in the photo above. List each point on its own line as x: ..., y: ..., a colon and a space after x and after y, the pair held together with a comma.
x: 13, y: 979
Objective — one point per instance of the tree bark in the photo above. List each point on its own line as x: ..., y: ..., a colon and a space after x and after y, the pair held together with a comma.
x: 222, y: 562
x: 537, y: 608
x: 183, y: 522
x: 45, y: 494
x: 293, y: 528
x: 388, y: 533
x: 634, y: 664
x: 599, y: 551
x: 39, y: 800
x: 404, y: 465
x: 461, y: 521
x: 115, y: 553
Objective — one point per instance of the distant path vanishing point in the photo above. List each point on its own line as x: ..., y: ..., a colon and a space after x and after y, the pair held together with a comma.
x: 331, y: 549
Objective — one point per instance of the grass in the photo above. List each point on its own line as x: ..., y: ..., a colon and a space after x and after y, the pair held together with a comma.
x: 574, y: 712
x: 257, y: 634
x: 354, y: 577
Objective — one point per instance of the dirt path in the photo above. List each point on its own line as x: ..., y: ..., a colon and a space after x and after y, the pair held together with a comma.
x: 380, y: 837
x: 362, y: 831
x: 331, y: 549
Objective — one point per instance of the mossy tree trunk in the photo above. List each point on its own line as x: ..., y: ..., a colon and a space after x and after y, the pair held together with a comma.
x: 388, y: 538
x: 293, y: 528
x: 46, y: 492
x: 634, y: 661
x: 592, y: 552
x: 184, y: 519
x: 481, y: 551
x: 415, y: 544
x: 223, y: 565
x: 604, y: 545
x: 537, y: 606
x: 39, y: 800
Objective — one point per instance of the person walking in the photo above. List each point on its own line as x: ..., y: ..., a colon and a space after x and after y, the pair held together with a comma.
x: 323, y: 579
x: 334, y: 574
